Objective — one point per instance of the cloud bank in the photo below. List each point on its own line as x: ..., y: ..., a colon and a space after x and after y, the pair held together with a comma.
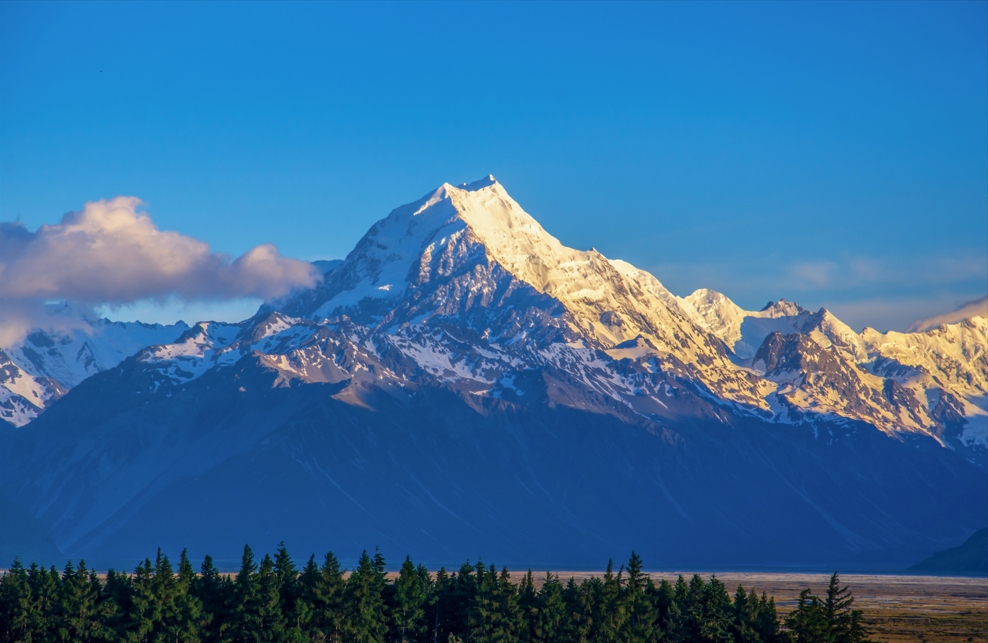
x: 966, y: 311
x: 112, y: 253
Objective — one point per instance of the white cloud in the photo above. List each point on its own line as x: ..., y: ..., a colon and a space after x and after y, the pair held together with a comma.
x: 882, y: 293
x: 965, y: 311
x: 111, y: 253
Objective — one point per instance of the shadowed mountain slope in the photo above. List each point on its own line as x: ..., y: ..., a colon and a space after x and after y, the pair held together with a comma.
x: 968, y: 558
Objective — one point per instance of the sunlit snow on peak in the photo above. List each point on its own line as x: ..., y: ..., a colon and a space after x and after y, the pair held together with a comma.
x: 485, y: 182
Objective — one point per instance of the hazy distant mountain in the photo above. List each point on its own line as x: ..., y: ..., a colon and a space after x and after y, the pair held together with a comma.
x: 971, y: 557
x: 74, y: 345
x: 464, y: 384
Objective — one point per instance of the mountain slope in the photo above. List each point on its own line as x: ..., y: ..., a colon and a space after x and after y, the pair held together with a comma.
x: 74, y: 345
x: 244, y: 454
x: 462, y: 382
x: 932, y: 382
x: 971, y: 557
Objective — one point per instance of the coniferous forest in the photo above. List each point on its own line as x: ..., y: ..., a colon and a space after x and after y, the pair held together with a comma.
x: 276, y: 601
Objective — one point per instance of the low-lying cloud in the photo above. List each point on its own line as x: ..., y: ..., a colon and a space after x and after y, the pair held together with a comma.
x: 883, y: 293
x: 112, y: 253
x: 978, y: 307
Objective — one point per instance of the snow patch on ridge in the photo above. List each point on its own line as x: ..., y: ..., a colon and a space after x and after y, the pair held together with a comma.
x: 71, y: 347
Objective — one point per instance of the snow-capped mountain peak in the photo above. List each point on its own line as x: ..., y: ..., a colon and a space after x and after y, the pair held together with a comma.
x: 782, y: 308
x: 464, y: 370
x: 464, y: 288
x: 469, y: 253
x: 72, y: 345
x: 450, y: 227
x: 471, y: 257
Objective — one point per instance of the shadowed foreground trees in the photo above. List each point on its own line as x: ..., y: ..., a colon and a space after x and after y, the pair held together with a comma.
x: 275, y: 601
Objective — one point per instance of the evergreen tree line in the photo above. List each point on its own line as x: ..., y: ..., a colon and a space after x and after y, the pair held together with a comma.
x: 277, y: 602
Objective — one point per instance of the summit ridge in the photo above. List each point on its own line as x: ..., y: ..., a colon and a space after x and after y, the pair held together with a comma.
x: 450, y: 253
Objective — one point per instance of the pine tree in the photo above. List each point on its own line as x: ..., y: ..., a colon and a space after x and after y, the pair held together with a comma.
x: 141, y: 610
x: 190, y: 618
x: 18, y: 610
x: 549, y: 618
x: 857, y: 632
x: 583, y: 607
x: 641, y: 622
x: 808, y: 623
x: 461, y: 595
x: 408, y: 611
x: 271, y: 620
x: 837, y: 606
x: 322, y: 589
x: 245, y: 624
x: 288, y: 581
x: 743, y: 621
x: 45, y: 592
x: 766, y: 620
x: 705, y: 611
x: 494, y: 616
x: 296, y: 600
x: 716, y: 613
x: 846, y: 624
x: 77, y: 618
x: 527, y: 607
x: 612, y: 611
x: 165, y: 591
x: 213, y: 592
x: 117, y: 589
x: 106, y: 608
x: 364, y: 603
x: 507, y: 598
x: 668, y: 616
x: 573, y: 621
x: 429, y: 587
x: 441, y: 608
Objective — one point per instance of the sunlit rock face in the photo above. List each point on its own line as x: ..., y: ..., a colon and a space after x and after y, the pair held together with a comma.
x: 464, y: 384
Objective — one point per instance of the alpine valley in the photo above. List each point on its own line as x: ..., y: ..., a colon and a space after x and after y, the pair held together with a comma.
x: 462, y: 384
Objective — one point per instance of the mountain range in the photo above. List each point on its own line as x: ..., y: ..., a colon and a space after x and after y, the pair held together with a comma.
x: 462, y: 384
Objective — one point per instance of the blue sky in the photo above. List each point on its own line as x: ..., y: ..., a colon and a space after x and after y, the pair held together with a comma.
x: 835, y: 154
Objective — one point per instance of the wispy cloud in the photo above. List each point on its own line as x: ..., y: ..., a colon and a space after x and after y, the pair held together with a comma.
x: 112, y: 253
x: 966, y: 311
x: 859, y: 272
x: 811, y: 275
x: 882, y: 293
x: 890, y: 313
